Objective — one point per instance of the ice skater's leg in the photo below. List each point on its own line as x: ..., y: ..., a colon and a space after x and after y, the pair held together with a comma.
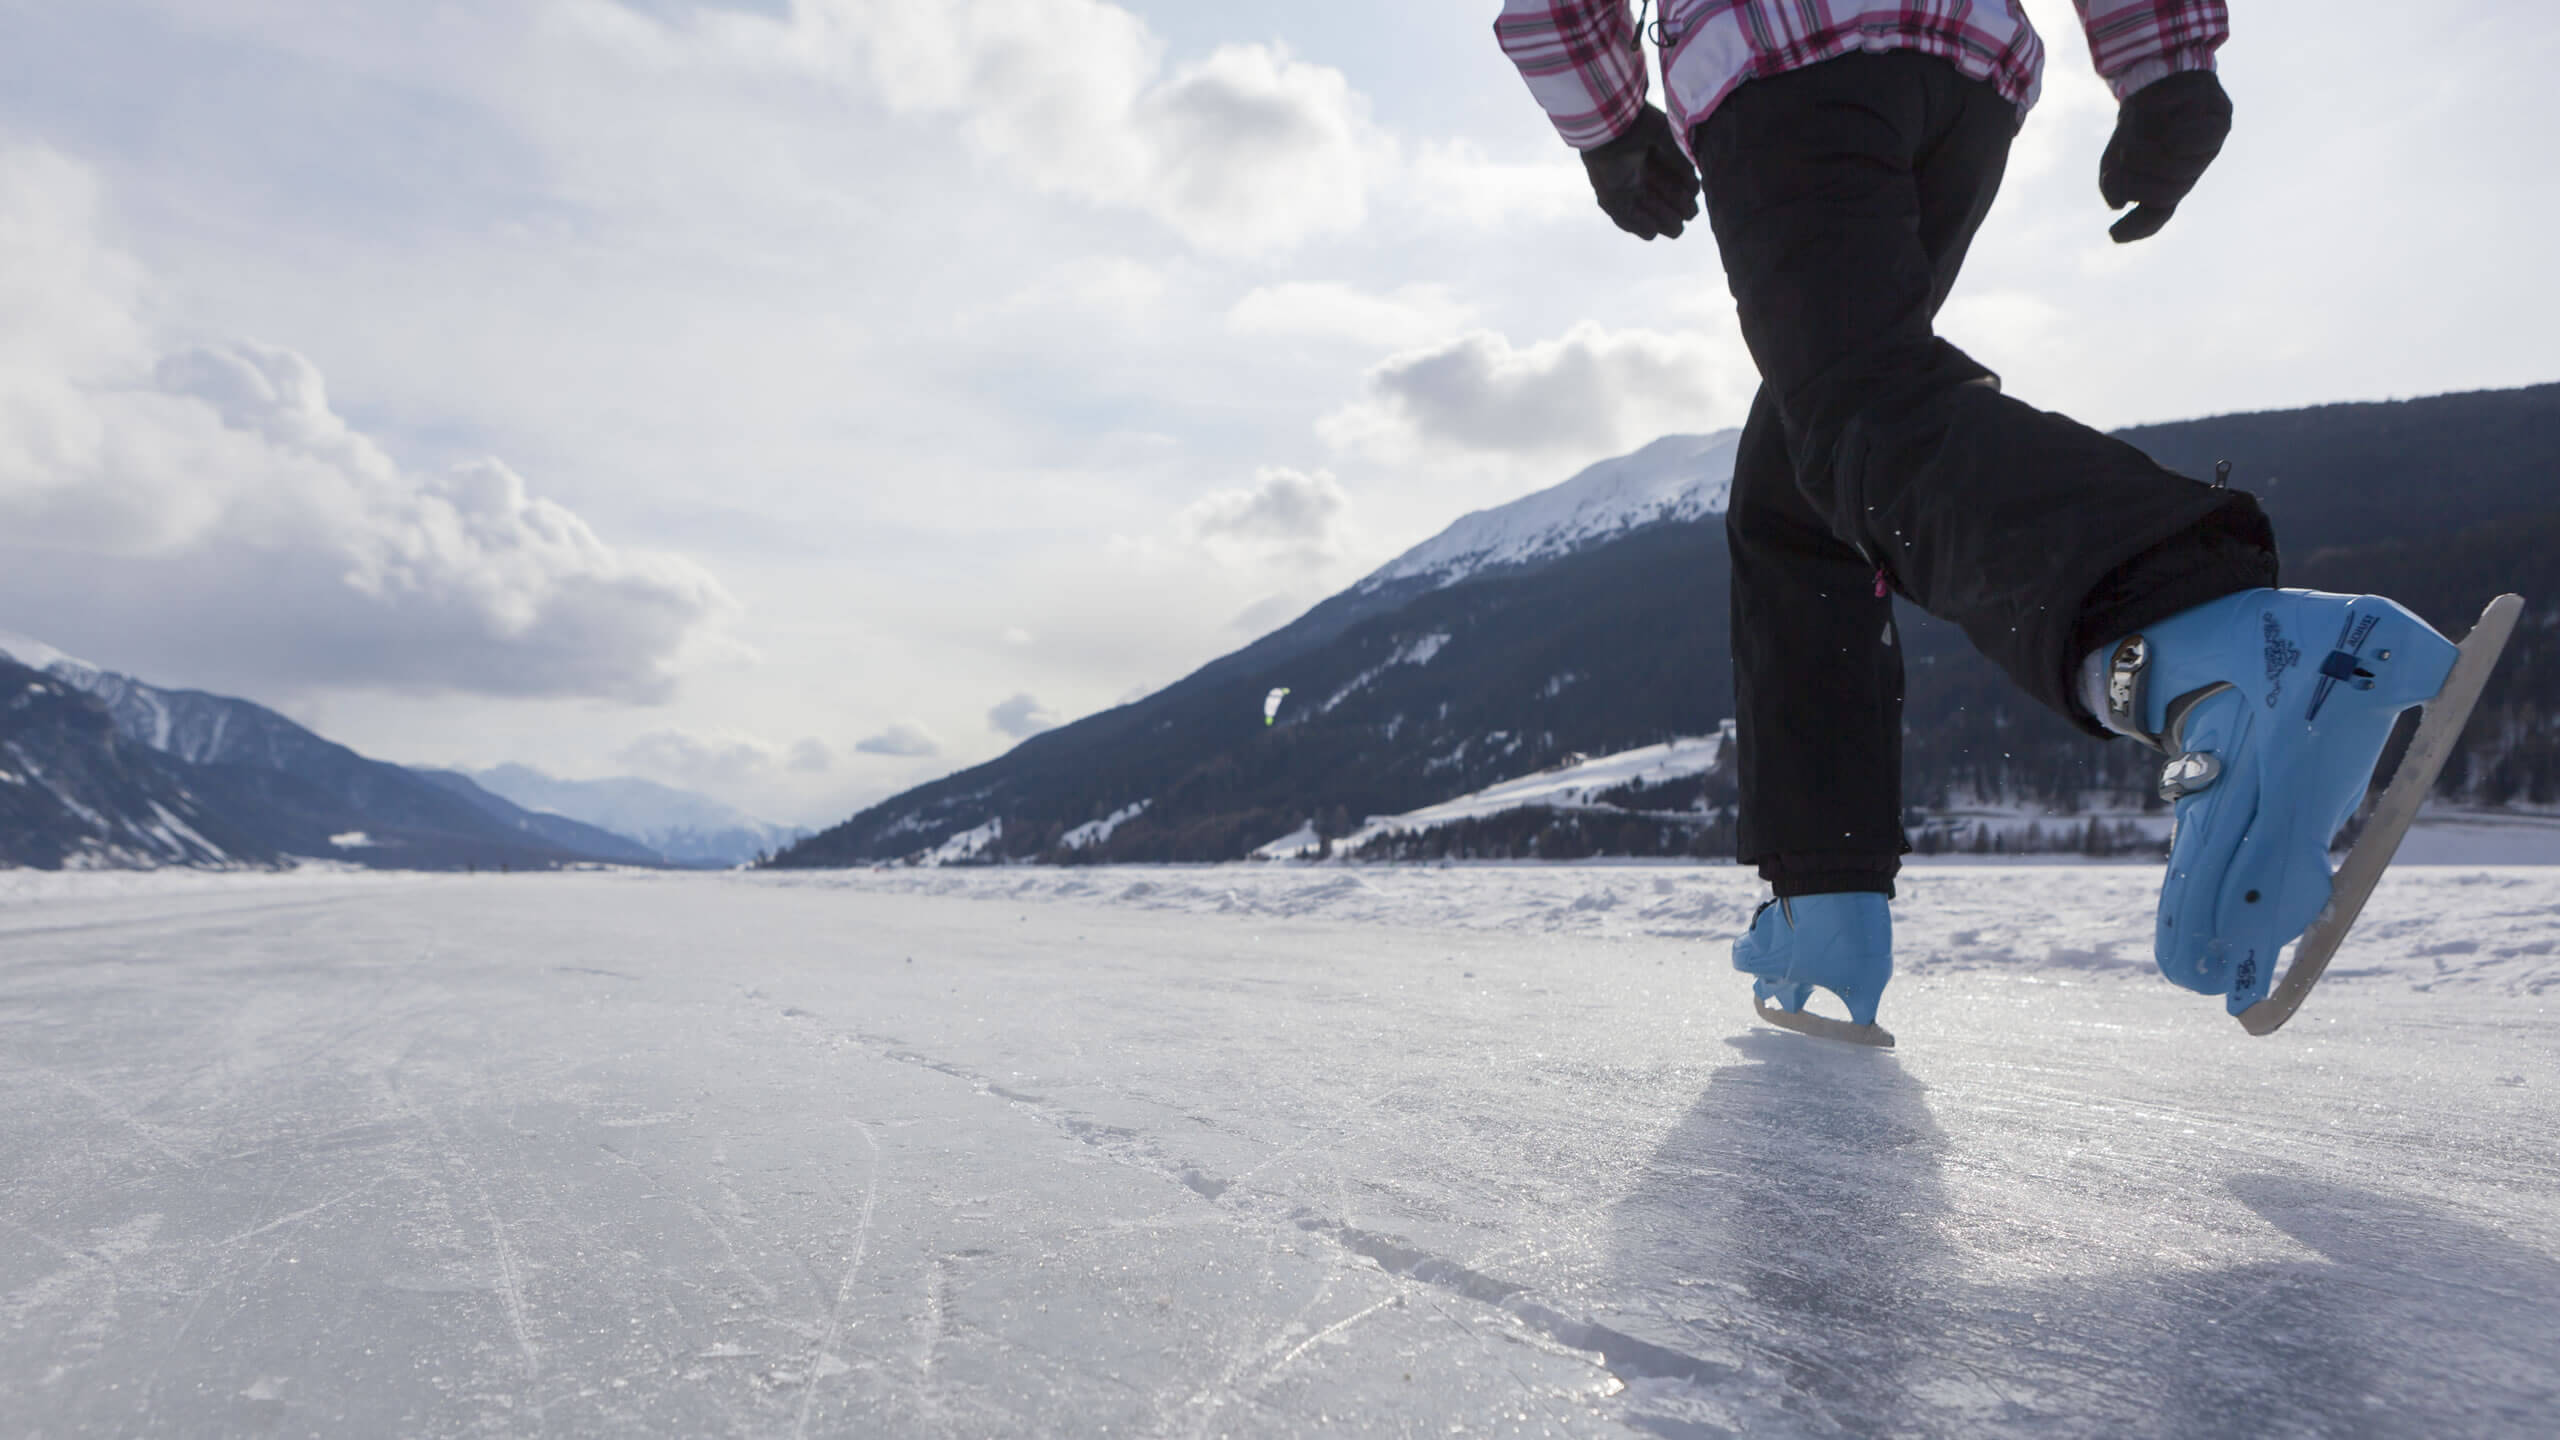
x: 1841, y: 197
x: 1817, y: 686
x: 1818, y: 713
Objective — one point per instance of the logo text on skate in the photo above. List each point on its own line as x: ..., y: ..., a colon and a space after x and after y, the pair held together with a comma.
x: 2282, y: 655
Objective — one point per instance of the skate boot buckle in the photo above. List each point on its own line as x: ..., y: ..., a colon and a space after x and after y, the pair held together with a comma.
x: 2126, y: 669
x: 2186, y: 774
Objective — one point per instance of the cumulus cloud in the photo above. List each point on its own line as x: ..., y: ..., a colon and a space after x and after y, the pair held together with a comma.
x: 1288, y: 515
x: 901, y: 741
x: 1411, y: 316
x: 723, y: 761
x: 1021, y: 717
x: 1588, y: 390
x: 1258, y: 151
x: 211, y: 500
x: 1282, y: 504
x: 1245, y: 151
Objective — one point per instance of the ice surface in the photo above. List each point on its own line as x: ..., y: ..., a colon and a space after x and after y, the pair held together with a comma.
x: 1252, y: 1150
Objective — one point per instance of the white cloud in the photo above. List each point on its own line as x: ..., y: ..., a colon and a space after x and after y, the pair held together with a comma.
x: 1097, y: 284
x: 1589, y: 390
x: 1456, y: 179
x: 1411, y: 316
x: 1287, y: 515
x: 1246, y: 151
x: 2015, y: 332
x: 212, y: 498
x: 1021, y: 717
x: 719, y: 761
x: 1259, y: 151
x: 902, y: 741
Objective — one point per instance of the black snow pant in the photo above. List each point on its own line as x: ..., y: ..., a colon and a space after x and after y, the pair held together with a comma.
x: 1878, y: 456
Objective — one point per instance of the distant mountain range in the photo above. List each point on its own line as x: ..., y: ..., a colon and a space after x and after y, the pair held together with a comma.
x: 104, y: 769
x: 686, y: 828
x: 1592, y: 617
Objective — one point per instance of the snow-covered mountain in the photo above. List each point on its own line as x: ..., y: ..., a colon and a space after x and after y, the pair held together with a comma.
x: 1678, y: 477
x: 1586, y: 616
x: 76, y: 793
x: 1544, y: 641
x: 686, y: 828
x: 197, y: 727
x: 290, y: 791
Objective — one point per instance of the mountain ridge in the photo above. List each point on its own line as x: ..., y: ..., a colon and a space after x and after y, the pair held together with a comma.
x: 75, y: 792
x: 1361, y: 734
x: 1678, y: 477
x: 290, y: 791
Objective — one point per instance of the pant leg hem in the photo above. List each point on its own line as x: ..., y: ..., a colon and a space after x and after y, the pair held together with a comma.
x: 1839, y: 875
x: 2228, y: 551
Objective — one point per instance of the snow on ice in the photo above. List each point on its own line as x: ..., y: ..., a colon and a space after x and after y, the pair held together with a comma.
x: 1252, y: 1150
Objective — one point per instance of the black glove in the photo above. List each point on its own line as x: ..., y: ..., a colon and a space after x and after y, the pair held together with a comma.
x: 2166, y: 133
x: 1644, y: 183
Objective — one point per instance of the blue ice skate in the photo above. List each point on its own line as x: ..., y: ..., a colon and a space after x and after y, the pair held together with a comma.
x: 1843, y: 943
x: 2273, y: 706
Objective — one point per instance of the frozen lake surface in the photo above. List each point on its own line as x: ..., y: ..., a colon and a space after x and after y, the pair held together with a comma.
x: 1260, y: 1151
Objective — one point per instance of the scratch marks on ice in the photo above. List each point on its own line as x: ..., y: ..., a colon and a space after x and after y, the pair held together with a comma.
x: 1626, y: 1357
x: 822, y: 1359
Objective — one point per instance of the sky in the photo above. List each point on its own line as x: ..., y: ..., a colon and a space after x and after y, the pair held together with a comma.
x: 797, y: 400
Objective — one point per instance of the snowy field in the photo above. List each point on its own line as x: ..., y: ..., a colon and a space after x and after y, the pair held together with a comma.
x: 1258, y: 1150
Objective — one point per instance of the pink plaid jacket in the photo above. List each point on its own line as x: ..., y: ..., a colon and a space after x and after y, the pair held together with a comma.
x: 1582, y: 61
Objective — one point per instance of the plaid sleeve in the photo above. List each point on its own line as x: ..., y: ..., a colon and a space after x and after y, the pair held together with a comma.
x: 2135, y: 42
x: 1581, y: 62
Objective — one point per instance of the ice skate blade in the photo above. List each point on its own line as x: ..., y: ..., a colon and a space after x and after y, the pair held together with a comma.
x: 2439, y: 725
x: 1823, y: 1026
